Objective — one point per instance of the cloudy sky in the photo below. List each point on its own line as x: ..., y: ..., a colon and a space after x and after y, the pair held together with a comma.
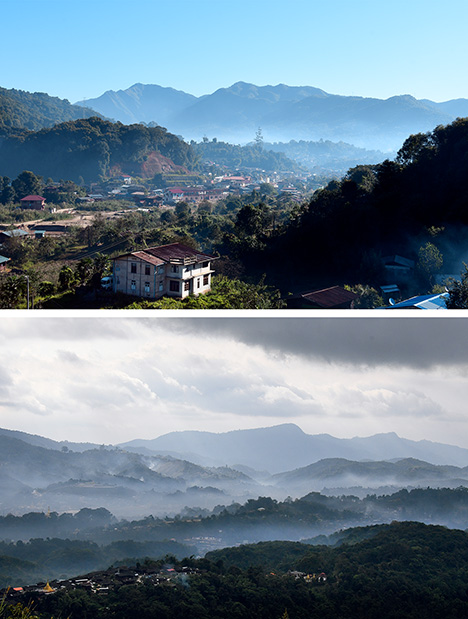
x: 111, y: 379
x: 78, y: 49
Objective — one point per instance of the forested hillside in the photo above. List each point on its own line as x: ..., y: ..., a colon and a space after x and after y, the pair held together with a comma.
x: 92, y: 148
x: 326, y: 154
x: 44, y: 559
x: 396, y: 207
x: 34, y: 111
x: 405, y: 570
x: 261, y: 519
x: 240, y: 157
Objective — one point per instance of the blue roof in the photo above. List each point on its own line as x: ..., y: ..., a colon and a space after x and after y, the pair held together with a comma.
x: 425, y: 301
x: 3, y: 259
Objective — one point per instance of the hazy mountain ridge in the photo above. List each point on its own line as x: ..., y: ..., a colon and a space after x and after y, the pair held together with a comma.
x: 141, y: 102
x: 327, y: 154
x: 222, y: 467
x: 35, y: 477
x: 283, y: 112
x: 286, y: 447
x: 48, y: 443
x: 346, y: 473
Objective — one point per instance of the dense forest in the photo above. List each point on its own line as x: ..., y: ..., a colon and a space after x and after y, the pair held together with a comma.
x: 396, y: 207
x: 39, y: 559
x: 406, y: 570
x: 260, y: 519
x: 236, y: 157
x: 34, y: 111
x: 91, y: 149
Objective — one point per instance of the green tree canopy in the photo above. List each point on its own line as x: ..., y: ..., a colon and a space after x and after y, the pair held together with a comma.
x: 27, y: 183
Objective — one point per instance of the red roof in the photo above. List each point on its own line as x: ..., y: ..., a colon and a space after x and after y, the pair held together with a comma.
x: 32, y: 198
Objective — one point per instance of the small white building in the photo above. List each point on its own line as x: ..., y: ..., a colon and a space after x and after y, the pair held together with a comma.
x: 173, y: 270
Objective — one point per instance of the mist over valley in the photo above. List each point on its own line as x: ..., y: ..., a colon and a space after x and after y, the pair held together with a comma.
x: 193, y: 473
x: 283, y: 112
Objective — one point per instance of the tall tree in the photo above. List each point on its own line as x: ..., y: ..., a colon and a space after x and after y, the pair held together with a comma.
x: 26, y: 184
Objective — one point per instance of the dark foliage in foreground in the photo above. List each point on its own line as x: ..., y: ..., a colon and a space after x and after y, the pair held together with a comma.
x: 406, y: 570
x: 395, y: 207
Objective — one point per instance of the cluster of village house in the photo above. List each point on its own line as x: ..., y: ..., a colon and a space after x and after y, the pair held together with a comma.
x: 101, y: 582
x: 176, y: 270
x: 220, y: 188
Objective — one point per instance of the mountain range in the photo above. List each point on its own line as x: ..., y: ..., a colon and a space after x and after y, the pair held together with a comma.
x: 286, y: 447
x: 142, y: 477
x: 283, y: 113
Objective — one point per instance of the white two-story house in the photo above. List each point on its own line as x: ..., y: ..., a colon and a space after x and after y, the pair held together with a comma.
x: 173, y: 270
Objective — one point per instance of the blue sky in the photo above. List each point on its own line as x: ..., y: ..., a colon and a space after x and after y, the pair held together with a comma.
x: 79, y: 49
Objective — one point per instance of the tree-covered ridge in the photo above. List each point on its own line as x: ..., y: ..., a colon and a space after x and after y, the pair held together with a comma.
x: 326, y: 154
x: 264, y: 519
x: 241, y: 157
x: 92, y: 148
x: 43, y: 559
x: 34, y: 111
x: 395, y: 207
x: 405, y: 570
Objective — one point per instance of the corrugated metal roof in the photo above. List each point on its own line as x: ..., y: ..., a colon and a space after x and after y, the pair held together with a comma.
x: 144, y: 255
x: 398, y: 260
x: 177, y: 252
x: 174, y: 252
x: 426, y: 301
x: 16, y: 232
x: 329, y: 297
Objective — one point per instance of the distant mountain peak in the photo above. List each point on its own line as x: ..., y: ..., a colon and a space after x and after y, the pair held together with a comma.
x: 286, y: 446
x: 283, y: 112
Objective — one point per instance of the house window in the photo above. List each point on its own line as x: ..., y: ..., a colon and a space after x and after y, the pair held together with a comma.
x: 133, y: 284
x: 147, y: 287
x: 161, y: 286
x: 187, y: 285
x: 161, y: 269
x: 205, y: 264
x: 133, y: 267
x: 118, y: 280
x: 206, y: 280
x: 198, y: 282
x: 173, y: 286
x: 174, y: 268
x: 147, y: 269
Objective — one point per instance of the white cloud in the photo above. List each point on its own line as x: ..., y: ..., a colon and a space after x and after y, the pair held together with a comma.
x: 127, y: 378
